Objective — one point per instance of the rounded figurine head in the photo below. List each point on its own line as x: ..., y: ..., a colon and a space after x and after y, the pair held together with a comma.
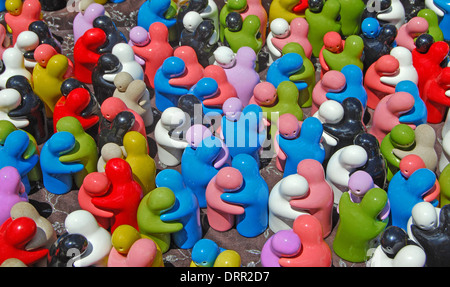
x: 331, y: 112
x: 70, y: 124
x: 27, y: 41
x: 288, y: 126
x: 265, y: 94
x: 196, y: 133
x: 410, y: 163
x: 159, y: 199
x: 353, y: 156
x: 135, y: 143
x: 392, y: 240
x: 285, y: 243
x: 204, y: 30
x: 191, y: 21
x: 370, y: 27
x: 44, y: 53
x: 294, y: 186
x: 81, y: 222
x: 236, y: 5
x: 9, y: 99
x: 229, y: 179
x: 279, y: 28
x: 105, y: 23
x: 417, y: 26
x: 402, y: 136
x: 205, y: 88
x: 13, y: 58
x: 96, y: 184
x: 64, y: 248
x: 205, y: 252
x: 9, y: 176
x: 111, y: 150
x: 122, y: 80
x: 118, y: 171
x: 232, y: 108
x: 123, y: 52
x: 20, y: 231
x: 61, y: 142
x: 173, y: 67
x: 403, y: 55
x: 14, y: 7
x: 333, y: 81
x: 423, y: 43
x: 234, y: 21
x: 172, y: 118
x: 360, y: 182
x: 333, y: 42
x: 228, y: 258
x: 387, y: 65
x: 17, y: 143
x: 315, y: 6
x: 93, y: 38
x: 424, y: 216
x: 111, y: 107
x: 388, y: 34
x: 123, y: 237
x: 225, y: 57
x: 139, y: 36
x: 410, y: 256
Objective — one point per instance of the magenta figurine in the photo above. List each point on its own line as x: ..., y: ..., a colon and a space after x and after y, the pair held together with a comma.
x: 12, y: 191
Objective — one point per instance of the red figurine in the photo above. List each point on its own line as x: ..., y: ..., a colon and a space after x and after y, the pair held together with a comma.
x: 124, y: 196
x: 18, y: 19
x: 194, y: 71
x: 73, y: 105
x: 85, y: 53
x: 226, y: 89
x: 436, y: 96
x: 333, y: 42
x: 14, y: 236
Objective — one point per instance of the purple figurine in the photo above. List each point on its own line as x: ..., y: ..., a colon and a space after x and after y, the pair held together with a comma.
x: 284, y: 243
x: 83, y: 21
x: 139, y: 37
x: 12, y: 191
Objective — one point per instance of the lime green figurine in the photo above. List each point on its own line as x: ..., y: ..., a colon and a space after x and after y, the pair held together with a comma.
x: 401, y: 137
x: 351, y: 55
x: 85, y: 150
x: 307, y: 74
x: 248, y: 35
x: 359, y: 224
x: 148, y: 216
x: 322, y: 18
x: 444, y: 183
x: 433, y: 24
x: 230, y: 6
x: 351, y: 15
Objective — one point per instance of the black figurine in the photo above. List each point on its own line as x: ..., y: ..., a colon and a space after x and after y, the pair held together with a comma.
x: 113, y: 36
x: 375, y: 47
x: 191, y: 5
x: 53, y: 5
x: 200, y: 41
x: 66, y: 250
x: 316, y: 6
x: 423, y: 43
x: 45, y: 35
x: 412, y: 7
x: 71, y: 84
x: 107, y: 64
x: 392, y: 240
x: 31, y: 107
x: 115, y: 131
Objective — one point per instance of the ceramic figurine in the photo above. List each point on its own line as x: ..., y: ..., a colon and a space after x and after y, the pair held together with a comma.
x: 151, y: 12
x: 11, y: 100
x: 206, y: 252
x: 114, y: 132
x: 351, y: 54
x: 341, y: 164
x: 435, y: 96
x: 27, y: 42
x: 332, y: 42
x: 13, y: 191
x: 388, y: 111
x: 287, y: 10
x: 13, y: 61
x: 83, y: 222
x: 246, y: 36
x: 409, y: 31
x: 6, y: 127
x: 107, y: 65
x: 67, y: 249
x: 225, y: 90
x: 443, y: 182
x: 42, y: 30
x: 195, y: 113
x: 406, y: 69
x: 351, y: 16
x: 284, y: 243
x: 279, y: 29
x: 108, y: 151
x: 196, y: 7
x: 83, y: 21
x: 125, y: 55
x: 288, y: 126
x: 4, y: 40
x: 152, y: 206
x: 193, y: 70
x: 433, y: 24
x: 153, y: 52
x: 255, y: 7
x: 321, y: 20
x: 113, y: 36
x: 206, y: 88
x: 44, y: 52
x: 395, y: 15
x: 332, y: 81
x: 425, y: 216
x: 86, y: 55
x: 444, y: 20
x: 20, y: 15
x: 86, y: 153
x: 236, y: 66
x: 236, y: 6
x: 57, y: 175
x: 281, y: 213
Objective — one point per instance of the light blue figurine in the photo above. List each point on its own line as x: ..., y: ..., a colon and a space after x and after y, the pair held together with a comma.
x: 185, y: 211
x: 418, y: 114
x: 205, y: 252
x: 197, y: 166
x: 11, y: 154
x: 305, y: 146
x: 253, y: 196
x: 167, y: 95
x: 354, y: 86
x: 57, y: 176
x: 206, y: 88
x: 404, y: 193
x: 154, y: 11
x: 444, y: 22
x: 285, y: 66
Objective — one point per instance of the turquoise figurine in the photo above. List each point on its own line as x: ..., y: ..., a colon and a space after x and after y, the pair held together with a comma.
x: 154, y: 11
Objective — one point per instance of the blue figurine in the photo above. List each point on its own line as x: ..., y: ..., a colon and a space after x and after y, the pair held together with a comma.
x: 2, y: 5
x: 418, y: 114
x: 244, y: 134
x: 206, y: 88
x: 197, y: 166
x: 404, y: 193
x: 353, y: 86
x: 305, y: 146
x: 57, y: 176
x: 285, y: 66
x: 154, y: 11
x: 370, y: 28
x: 253, y: 196
x: 167, y: 95
x: 185, y: 211
x: 444, y: 22
x: 205, y: 252
x: 11, y: 154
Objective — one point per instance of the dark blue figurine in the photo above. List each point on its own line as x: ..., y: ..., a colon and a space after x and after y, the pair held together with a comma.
x: 186, y: 209
x: 285, y: 66
x: 253, y: 196
x: 305, y: 146
x: 57, y: 176
x: 444, y: 22
x: 166, y: 95
x: 66, y: 250
x: 245, y: 135
x: 11, y: 154
x: 2, y: 5
x: 206, y: 88
x: 113, y: 36
x: 197, y: 166
x: 418, y: 114
x: 154, y: 11
x: 404, y: 193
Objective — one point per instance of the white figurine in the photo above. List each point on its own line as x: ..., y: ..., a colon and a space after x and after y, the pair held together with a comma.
x: 126, y: 56
x: 27, y: 41
x: 279, y: 28
x: 341, y: 164
x: 212, y: 12
x: 14, y: 64
x: 329, y: 112
x: 109, y: 150
x: 224, y: 57
x: 84, y: 223
x: 281, y: 214
x: 408, y: 256
x: 429, y: 4
x: 10, y: 99
x: 170, y: 149
x: 191, y: 21
x: 395, y: 15
x: 425, y: 216
x: 406, y: 69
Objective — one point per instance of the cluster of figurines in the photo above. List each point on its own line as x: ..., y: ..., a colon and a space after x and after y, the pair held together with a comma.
x: 340, y: 94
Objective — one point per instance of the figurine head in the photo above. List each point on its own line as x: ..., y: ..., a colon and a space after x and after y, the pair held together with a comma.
x: 10, y: 99
x: 27, y: 41
x: 333, y: 81
x: 229, y: 179
x: 123, y: 237
x: 315, y: 6
x: 285, y: 243
x: 388, y: 34
x: 387, y: 65
x: 403, y: 55
x: 332, y: 41
x: 172, y: 118
x: 294, y: 186
x: 160, y: 199
x: 20, y: 83
x: 118, y: 171
x: 360, y: 182
x: 228, y: 258
x: 402, y: 136
x: 232, y: 108
x: 204, y: 30
x: 77, y: 100
x: 92, y: 11
x: 111, y: 150
x: 9, y: 176
x: 191, y: 21
x: 236, y: 5
x: 196, y: 133
x: 187, y: 54
x: 370, y: 27
x: 331, y: 112
x: 205, y: 88
x: 96, y: 184
x: 111, y: 107
x: 123, y: 52
x: 353, y: 156
x: 61, y: 143
x: 410, y: 163
x: 81, y: 222
x: 20, y: 231
x: 122, y: 80
x: 135, y: 143
x: 93, y: 38
x: 13, y: 58
x: 171, y: 179
x: 246, y: 164
x: 43, y: 54
x: 105, y: 23
x: 14, y: 7
x: 234, y: 21
x: 312, y: 130
x: 70, y: 124
x: 139, y: 36
x: 225, y: 57
x: 423, y: 43
x: 17, y: 143
x: 308, y: 228
x: 424, y: 216
x: 265, y: 94
x: 158, y: 32
x: 417, y: 26
x: 65, y: 246
x: 392, y: 240
x: 290, y: 63
x: 173, y: 67
x: 205, y: 252
x: 288, y: 126
x: 279, y: 28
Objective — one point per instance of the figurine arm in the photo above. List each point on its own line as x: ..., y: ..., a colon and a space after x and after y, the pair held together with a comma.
x: 392, y: 81
x: 109, y: 77
x: 63, y: 168
x: 108, y: 202
x: 166, y: 140
x: 235, y: 197
x: 19, y: 123
x: 29, y: 164
x: 71, y: 156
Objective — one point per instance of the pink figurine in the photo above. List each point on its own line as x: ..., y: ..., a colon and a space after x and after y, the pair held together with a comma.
x: 12, y: 191
x: 284, y: 243
x: 389, y: 109
x: 95, y: 184
x: 254, y: 7
x: 289, y: 128
x: 44, y: 52
x: 315, y: 251
x: 386, y: 65
x: 226, y: 89
x: 194, y: 71
x: 221, y: 215
x: 320, y: 199
x: 153, y: 47
x: 332, y: 81
x: 4, y: 40
x: 83, y: 20
x: 298, y: 33
x: 141, y: 254
x: 17, y: 23
x: 333, y: 42
x: 409, y: 31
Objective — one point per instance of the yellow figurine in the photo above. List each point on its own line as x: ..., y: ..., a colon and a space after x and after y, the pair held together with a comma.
x: 287, y: 9
x: 142, y: 164
x: 228, y: 258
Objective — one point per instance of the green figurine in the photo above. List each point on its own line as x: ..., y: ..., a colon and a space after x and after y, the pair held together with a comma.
x: 230, y: 6
x: 352, y: 53
x: 248, y: 35
x: 321, y: 20
x: 85, y: 150
x: 401, y: 137
x: 149, y: 211
x: 444, y: 183
x: 351, y: 15
x: 307, y: 74
x: 433, y: 24
x: 359, y: 224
